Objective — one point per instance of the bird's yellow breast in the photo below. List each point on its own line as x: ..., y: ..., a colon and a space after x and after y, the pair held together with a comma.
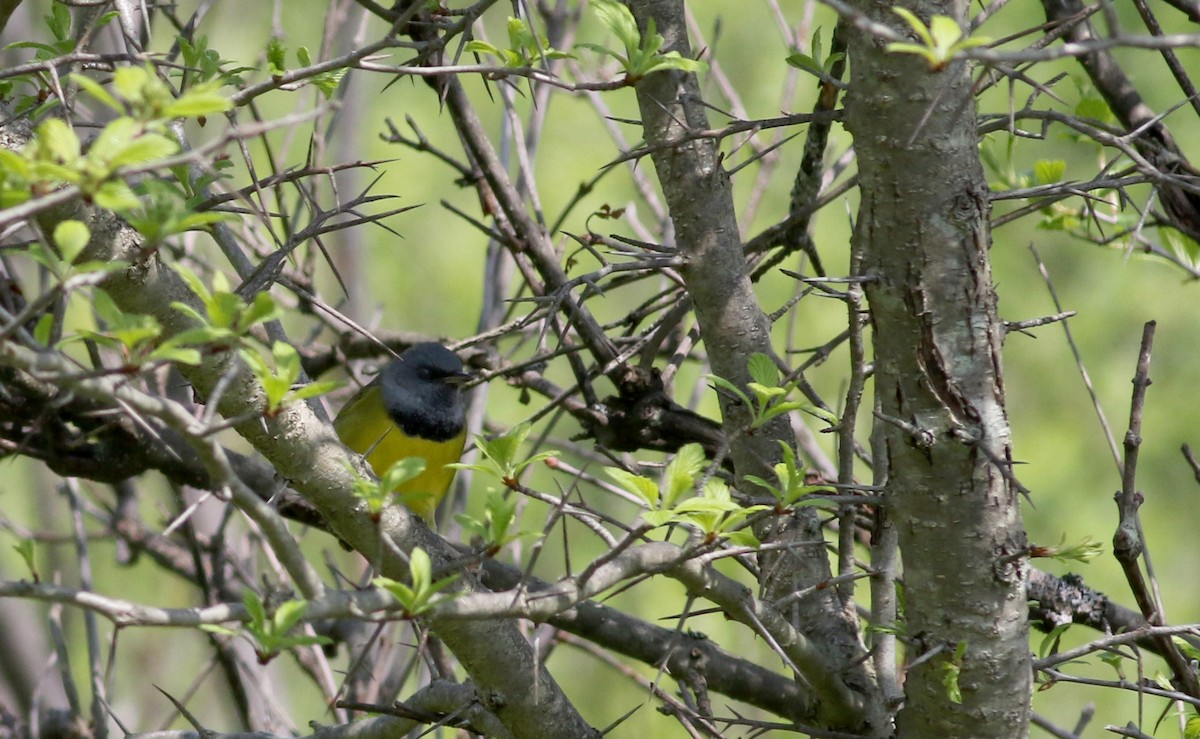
x: 364, y: 425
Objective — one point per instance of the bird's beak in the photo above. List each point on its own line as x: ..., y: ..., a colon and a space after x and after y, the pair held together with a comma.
x: 457, y: 379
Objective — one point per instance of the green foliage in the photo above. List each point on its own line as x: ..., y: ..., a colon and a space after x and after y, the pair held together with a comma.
x: 1191, y: 729
x: 1114, y: 659
x: 422, y: 595
x: 71, y: 237
x: 203, y: 64
x: 164, y: 212
x: 62, y: 257
x: 1183, y: 247
x: 149, y: 99
x: 136, y: 138
x: 327, y: 82
x: 1051, y: 640
x: 791, y: 489
x: 896, y: 629
x: 279, y: 384
x: 941, y: 40
x: 378, y: 495
x: 712, y: 512
x: 951, y: 670
x: 641, y: 57
x: 227, y: 318
x: 495, y: 528
x: 1092, y: 104
x: 767, y: 398
x: 59, y: 25
x: 815, y: 63
x: 137, y: 337
x: 1083, y: 551
x: 501, y: 455
x: 1056, y: 215
x: 268, y: 632
x: 54, y: 157
x: 27, y: 549
x: 525, y: 49
x: 59, y: 21
x: 276, y: 57
x: 1049, y: 171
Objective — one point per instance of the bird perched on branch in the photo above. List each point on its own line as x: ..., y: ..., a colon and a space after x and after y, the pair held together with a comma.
x: 414, y: 408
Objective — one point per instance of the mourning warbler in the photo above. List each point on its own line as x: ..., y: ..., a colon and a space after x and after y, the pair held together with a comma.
x: 412, y: 409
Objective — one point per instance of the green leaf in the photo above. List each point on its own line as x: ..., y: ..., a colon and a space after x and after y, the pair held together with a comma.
x: 59, y: 21
x: 130, y: 83
x: 642, y: 487
x: 1094, y: 107
x: 254, y: 607
x: 1051, y: 640
x: 777, y: 409
x: 722, y: 384
x: 915, y: 23
x: 763, y: 370
x: 401, y: 472
x: 757, y: 481
x: 420, y: 597
x: 274, y: 387
x: 116, y: 196
x: 288, y: 615
x: 619, y: 20
x: 176, y: 354
x: 945, y: 32
x: 951, y: 670
x: 803, y: 61
x: 658, y: 518
x: 501, y: 454
x: 276, y: 57
x: 313, y: 389
x: 502, y: 450
x: 44, y: 329
x: 1049, y: 171
x: 494, y: 529
x: 475, y: 46
x: 197, y: 102
x: 71, y: 237
x: 680, y: 475
x: 27, y: 549
x: 112, y: 139
x: 145, y: 148
x: 743, y: 538
x: 261, y: 310
x: 195, y: 282
x: 58, y: 141
x: 327, y: 82
x: 420, y: 567
x: 641, y: 55
x: 1191, y: 729
x: 940, y: 40
x: 97, y: 91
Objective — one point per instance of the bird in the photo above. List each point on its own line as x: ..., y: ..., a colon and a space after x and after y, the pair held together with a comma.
x: 414, y: 408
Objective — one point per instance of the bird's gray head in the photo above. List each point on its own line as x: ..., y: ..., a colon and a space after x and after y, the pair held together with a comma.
x: 421, y: 392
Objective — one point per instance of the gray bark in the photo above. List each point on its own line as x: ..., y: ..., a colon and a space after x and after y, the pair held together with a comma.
x: 699, y: 195
x: 923, y: 228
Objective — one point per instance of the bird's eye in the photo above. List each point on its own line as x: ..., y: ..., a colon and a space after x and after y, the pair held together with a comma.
x: 424, y: 373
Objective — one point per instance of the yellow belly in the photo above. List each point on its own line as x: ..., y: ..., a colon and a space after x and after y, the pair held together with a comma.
x: 364, y: 425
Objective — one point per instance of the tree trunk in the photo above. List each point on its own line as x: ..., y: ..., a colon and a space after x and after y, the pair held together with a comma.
x: 699, y: 194
x: 923, y: 229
